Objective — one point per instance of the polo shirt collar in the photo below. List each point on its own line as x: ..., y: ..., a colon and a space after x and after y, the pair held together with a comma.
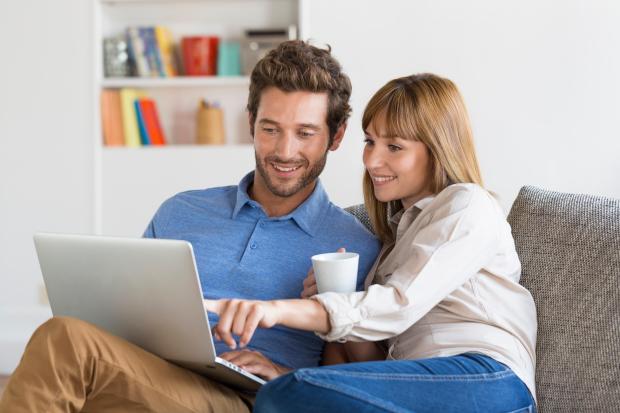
x: 242, y: 194
x: 307, y: 216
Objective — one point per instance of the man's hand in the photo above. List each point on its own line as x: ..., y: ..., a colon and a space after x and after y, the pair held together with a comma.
x: 255, y: 363
x: 310, y: 287
x: 241, y: 317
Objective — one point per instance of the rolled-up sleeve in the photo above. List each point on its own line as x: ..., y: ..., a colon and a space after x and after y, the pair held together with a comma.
x: 453, y: 244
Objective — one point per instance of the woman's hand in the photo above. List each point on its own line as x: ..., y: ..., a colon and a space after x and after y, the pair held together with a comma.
x: 255, y: 363
x: 310, y: 287
x: 241, y: 317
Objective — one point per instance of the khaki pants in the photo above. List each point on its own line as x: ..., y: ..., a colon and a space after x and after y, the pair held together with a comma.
x: 70, y: 365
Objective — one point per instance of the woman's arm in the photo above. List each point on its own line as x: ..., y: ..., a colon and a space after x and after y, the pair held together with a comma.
x: 242, y: 317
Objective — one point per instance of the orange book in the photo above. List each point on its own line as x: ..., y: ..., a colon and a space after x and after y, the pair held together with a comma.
x: 112, y: 118
x: 151, y: 121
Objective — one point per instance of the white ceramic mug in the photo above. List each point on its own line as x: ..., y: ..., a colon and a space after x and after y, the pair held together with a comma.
x: 336, y: 271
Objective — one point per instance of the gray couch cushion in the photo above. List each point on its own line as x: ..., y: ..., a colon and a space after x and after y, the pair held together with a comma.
x: 359, y: 212
x: 569, y: 246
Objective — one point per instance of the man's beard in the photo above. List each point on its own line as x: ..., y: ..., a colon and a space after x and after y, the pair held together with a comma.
x: 311, y: 174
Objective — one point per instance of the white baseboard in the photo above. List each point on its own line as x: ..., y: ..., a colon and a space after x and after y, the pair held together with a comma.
x: 16, y: 327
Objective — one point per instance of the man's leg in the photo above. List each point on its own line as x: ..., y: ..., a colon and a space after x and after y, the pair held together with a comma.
x: 70, y: 365
x: 464, y: 383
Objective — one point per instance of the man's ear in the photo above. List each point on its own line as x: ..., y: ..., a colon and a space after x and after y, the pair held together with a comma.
x: 338, y: 137
x: 251, y: 122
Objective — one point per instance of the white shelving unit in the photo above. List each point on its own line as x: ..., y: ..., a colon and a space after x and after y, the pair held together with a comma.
x: 173, y: 82
x: 130, y: 183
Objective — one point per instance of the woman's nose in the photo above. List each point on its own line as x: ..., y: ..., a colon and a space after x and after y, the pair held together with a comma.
x: 372, y: 158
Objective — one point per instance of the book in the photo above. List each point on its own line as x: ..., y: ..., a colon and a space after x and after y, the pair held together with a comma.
x: 130, y: 119
x: 151, y: 53
x: 136, y: 52
x: 144, y: 136
x: 165, y: 48
x: 112, y: 118
x: 154, y: 131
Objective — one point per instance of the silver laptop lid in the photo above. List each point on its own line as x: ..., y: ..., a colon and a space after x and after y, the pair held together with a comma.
x: 144, y: 290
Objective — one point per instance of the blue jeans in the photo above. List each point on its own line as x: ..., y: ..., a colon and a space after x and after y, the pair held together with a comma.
x: 464, y: 383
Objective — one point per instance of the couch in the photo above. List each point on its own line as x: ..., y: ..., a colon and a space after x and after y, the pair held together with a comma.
x: 569, y: 246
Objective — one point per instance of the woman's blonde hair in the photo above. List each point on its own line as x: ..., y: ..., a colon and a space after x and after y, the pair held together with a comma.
x: 428, y: 109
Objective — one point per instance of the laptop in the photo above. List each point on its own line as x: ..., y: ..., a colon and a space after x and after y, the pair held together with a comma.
x: 146, y: 291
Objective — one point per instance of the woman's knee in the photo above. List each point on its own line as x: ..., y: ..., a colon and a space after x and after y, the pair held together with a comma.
x: 279, y: 394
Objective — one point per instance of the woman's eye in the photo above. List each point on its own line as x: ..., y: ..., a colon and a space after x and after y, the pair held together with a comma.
x: 394, y: 148
x: 369, y: 142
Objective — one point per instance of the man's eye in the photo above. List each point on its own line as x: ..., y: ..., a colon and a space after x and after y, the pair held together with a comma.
x: 269, y: 130
x: 306, y: 134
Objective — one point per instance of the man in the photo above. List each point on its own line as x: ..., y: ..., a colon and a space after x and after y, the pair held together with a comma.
x: 251, y: 241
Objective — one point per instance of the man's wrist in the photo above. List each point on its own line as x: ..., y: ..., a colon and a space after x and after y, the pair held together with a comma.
x: 282, y: 369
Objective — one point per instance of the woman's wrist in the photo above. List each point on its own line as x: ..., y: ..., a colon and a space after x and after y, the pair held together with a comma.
x: 277, y: 309
x: 309, y: 315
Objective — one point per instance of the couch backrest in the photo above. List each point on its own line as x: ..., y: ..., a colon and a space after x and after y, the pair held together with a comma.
x: 359, y: 212
x: 569, y: 246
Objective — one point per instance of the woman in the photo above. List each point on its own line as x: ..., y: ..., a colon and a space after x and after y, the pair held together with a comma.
x: 445, y: 315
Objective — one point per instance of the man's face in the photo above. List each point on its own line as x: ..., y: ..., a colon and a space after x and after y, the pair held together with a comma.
x: 291, y: 139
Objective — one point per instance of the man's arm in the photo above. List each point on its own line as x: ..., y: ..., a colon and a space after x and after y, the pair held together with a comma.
x: 255, y: 363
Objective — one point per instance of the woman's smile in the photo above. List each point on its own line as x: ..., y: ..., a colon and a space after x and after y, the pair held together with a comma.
x: 378, y: 180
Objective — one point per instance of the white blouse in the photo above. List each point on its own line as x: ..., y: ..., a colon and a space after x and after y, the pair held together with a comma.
x: 450, y: 285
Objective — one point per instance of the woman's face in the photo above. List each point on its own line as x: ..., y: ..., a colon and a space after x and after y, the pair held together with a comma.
x: 399, y: 168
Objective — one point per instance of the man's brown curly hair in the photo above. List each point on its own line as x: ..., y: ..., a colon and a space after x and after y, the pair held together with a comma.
x: 298, y: 66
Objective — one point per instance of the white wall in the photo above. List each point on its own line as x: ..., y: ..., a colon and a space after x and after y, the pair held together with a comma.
x: 541, y: 80
x: 45, y: 149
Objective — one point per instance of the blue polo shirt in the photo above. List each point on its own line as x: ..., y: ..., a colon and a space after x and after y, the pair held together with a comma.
x: 243, y: 253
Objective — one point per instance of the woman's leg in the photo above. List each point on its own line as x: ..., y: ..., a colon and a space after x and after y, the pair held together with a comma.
x: 463, y: 383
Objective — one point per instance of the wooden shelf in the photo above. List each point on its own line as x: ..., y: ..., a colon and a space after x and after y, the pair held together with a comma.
x: 178, y: 81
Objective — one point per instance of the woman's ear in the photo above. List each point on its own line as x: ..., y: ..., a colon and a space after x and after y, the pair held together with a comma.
x: 338, y: 137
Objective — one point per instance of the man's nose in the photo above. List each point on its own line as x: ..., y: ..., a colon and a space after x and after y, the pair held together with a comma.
x: 287, y: 145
